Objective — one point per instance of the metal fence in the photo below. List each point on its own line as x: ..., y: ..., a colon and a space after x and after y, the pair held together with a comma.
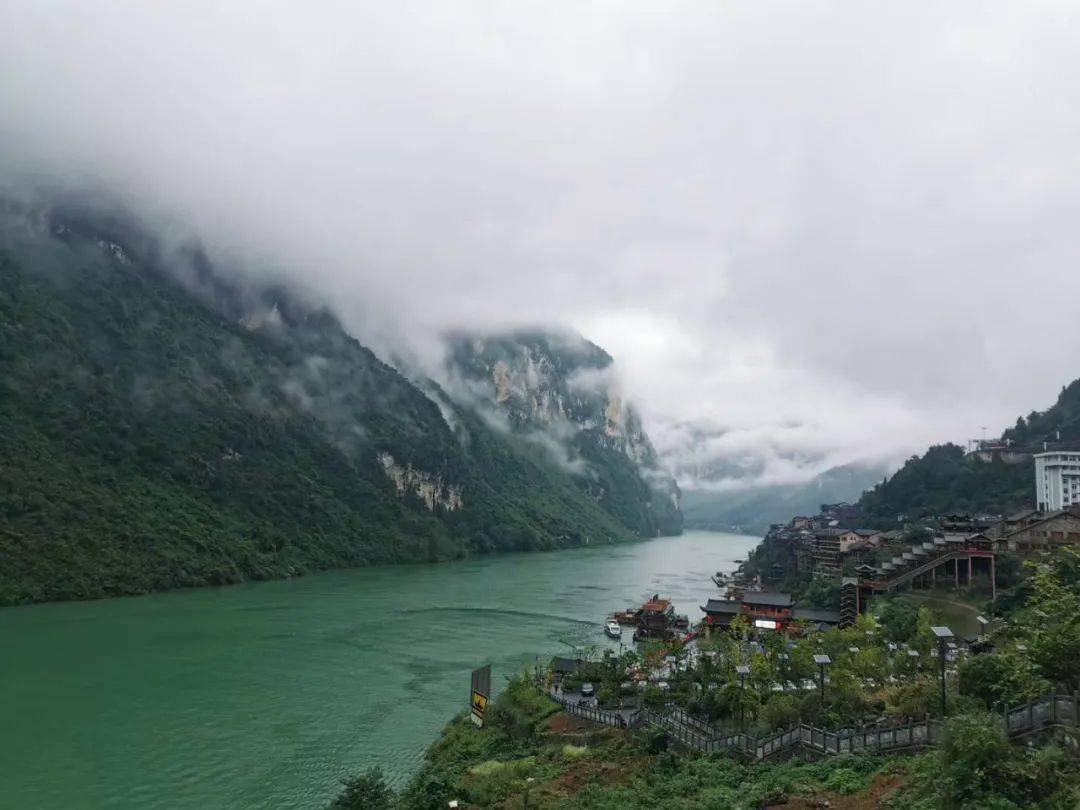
x: 597, y: 715
x: 698, y: 734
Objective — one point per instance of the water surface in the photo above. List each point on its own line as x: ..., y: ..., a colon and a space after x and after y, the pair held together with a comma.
x: 265, y: 695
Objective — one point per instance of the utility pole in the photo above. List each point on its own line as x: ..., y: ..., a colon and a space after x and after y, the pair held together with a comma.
x: 743, y: 671
x: 943, y: 634
x: 822, y: 661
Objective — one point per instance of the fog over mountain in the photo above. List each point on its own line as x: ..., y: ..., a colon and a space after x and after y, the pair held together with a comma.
x: 807, y: 233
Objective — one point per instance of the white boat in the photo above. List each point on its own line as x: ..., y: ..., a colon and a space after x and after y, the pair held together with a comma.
x: 613, y: 629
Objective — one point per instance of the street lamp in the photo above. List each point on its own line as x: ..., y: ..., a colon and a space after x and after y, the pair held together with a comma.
x: 943, y: 634
x: 822, y: 661
x: 743, y: 671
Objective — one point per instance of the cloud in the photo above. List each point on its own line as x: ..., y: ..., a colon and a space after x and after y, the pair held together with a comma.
x: 816, y: 231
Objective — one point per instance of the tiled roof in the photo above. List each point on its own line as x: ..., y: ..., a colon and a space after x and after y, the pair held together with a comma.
x: 816, y: 615
x: 722, y: 606
x: 767, y: 598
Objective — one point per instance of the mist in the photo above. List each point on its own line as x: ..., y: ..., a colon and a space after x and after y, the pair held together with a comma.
x: 815, y: 233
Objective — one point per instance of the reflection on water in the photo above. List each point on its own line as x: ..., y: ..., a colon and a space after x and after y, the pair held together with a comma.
x: 267, y: 694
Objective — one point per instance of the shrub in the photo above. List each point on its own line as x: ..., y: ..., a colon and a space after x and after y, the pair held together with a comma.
x: 368, y: 791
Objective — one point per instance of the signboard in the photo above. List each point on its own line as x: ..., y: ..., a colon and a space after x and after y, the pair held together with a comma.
x: 765, y: 624
x: 479, y: 704
x: 479, y: 694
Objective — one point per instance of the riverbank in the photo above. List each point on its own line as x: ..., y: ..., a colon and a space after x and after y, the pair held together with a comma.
x: 268, y: 694
x: 531, y: 755
x: 1002, y: 731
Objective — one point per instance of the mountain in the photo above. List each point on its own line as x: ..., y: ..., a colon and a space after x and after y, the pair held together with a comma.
x: 996, y: 480
x: 161, y: 427
x: 944, y: 480
x: 753, y: 509
x: 1060, y: 423
x: 557, y: 391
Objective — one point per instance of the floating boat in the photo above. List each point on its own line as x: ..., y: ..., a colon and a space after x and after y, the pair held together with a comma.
x: 613, y: 629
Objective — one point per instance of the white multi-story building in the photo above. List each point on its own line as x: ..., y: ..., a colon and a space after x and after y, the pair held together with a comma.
x: 1057, y: 480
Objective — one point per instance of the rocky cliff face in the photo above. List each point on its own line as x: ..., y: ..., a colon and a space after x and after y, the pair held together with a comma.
x: 558, y: 390
x: 428, y: 487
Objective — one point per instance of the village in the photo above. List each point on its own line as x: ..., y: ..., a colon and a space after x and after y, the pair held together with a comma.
x: 818, y: 630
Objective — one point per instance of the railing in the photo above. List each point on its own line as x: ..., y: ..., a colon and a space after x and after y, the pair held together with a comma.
x: 920, y: 569
x: 1036, y: 715
x: 875, y: 738
x: 696, y: 723
x: 607, y: 718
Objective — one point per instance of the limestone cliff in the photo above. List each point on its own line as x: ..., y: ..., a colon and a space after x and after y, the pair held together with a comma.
x: 559, y: 390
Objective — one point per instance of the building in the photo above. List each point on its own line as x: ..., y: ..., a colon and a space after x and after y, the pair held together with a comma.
x: 819, y: 618
x: 1048, y: 531
x: 1057, y: 480
x: 871, y: 536
x: 840, y: 511
x: 766, y: 610
x: 655, y: 619
x: 819, y: 554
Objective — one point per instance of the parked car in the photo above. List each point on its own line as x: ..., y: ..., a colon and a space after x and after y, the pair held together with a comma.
x: 587, y: 690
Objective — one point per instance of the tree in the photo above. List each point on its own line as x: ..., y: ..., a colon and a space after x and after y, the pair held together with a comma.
x: 822, y: 593
x: 1000, y: 678
x: 1054, y: 620
x: 898, y: 618
x: 368, y: 791
x: 781, y: 711
x: 975, y: 746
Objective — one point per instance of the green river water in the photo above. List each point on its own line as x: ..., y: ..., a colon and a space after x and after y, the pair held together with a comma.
x: 267, y: 694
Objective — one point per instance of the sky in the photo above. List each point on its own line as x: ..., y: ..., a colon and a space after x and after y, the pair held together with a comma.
x: 810, y: 232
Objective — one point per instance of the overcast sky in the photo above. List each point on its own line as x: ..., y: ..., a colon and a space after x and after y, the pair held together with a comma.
x: 840, y: 230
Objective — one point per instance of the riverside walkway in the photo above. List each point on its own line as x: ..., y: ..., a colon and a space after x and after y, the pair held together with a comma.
x: 1044, y: 713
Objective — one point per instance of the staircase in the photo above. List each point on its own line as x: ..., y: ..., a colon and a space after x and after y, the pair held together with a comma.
x: 849, y: 601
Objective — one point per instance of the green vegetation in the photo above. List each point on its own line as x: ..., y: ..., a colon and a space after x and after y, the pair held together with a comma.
x: 978, y: 767
x: 1060, y: 422
x: 163, y: 429
x: 531, y: 755
x: 527, y: 755
x: 942, y: 481
x: 545, y: 383
x: 368, y: 791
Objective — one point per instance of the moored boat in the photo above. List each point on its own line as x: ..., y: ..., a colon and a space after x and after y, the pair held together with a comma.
x: 613, y: 629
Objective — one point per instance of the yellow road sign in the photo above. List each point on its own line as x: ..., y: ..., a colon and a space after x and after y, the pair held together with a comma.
x: 479, y: 703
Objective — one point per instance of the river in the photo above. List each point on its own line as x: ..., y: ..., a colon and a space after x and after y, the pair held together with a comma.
x: 267, y: 694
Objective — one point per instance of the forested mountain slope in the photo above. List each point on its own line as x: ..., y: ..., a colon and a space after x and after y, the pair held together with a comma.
x: 160, y: 428
x: 945, y: 480
x: 555, y: 389
x: 1058, y: 423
